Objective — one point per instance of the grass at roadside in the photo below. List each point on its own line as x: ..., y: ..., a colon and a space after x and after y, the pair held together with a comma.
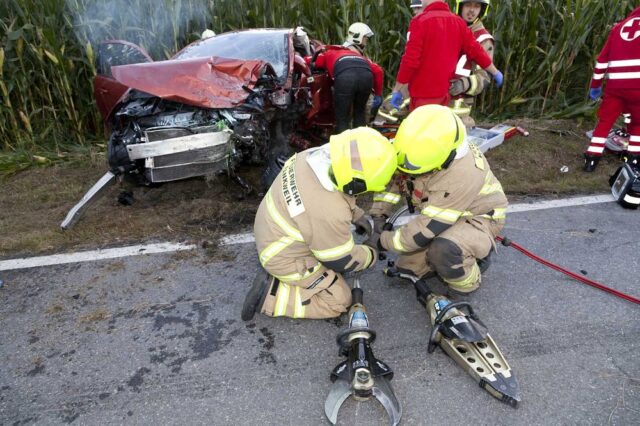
x: 36, y: 200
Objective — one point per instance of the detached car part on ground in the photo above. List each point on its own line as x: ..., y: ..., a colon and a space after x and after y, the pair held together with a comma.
x: 243, y: 97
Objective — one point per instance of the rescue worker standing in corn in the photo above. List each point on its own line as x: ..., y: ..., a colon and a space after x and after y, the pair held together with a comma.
x: 461, y: 202
x: 302, y: 226
x: 435, y: 40
x: 354, y: 77
x: 470, y: 80
x: 619, y: 62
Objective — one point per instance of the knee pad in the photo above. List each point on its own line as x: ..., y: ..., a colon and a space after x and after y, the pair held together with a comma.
x: 444, y: 255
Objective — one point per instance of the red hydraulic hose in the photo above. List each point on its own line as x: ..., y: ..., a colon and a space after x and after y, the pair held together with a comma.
x: 507, y: 242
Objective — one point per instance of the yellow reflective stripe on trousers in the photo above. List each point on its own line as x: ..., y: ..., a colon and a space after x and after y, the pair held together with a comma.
x: 334, y: 252
x: 274, y: 248
x: 297, y: 276
x: 282, y: 223
x: 281, y: 300
x: 298, y: 310
x: 447, y: 215
x: 396, y: 241
x: 470, y: 282
x: 387, y: 197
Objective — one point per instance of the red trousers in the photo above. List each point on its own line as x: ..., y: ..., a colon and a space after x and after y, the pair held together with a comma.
x: 614, y: 103
x: 417, y: 102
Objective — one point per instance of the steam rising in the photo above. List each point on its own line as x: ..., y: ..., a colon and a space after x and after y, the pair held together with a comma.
x: 160, y: 26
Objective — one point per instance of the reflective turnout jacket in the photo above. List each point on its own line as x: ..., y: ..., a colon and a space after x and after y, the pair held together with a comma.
x: 478, y: 78
x: 303, y: 222
x: 466, y: 189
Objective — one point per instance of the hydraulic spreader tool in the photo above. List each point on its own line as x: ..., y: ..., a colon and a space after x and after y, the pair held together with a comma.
x: 361, y: 374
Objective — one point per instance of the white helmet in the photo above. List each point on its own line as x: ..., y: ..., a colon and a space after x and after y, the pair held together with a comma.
x: 207, y: 34
x: 358, y: 31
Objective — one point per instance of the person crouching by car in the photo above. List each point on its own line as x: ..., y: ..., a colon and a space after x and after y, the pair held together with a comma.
x: 302, y: 227
x: 354, y: 77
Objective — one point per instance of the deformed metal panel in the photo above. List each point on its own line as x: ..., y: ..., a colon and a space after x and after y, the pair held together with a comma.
x: 175, y: 145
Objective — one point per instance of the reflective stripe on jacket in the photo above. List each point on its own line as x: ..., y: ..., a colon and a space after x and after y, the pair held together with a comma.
x: 301, y: 224
x: 466, y: 189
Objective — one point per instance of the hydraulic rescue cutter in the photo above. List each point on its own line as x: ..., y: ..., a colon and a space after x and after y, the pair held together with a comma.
x: 459, y: 332
x: 361, y: 374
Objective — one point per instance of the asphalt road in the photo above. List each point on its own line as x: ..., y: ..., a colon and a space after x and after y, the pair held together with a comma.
x: 158, y: 339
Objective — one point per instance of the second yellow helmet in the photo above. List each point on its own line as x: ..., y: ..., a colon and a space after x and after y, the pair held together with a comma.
x: 427, y: 139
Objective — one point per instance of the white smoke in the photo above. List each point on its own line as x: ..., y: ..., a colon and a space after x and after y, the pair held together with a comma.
x: 160, y: 26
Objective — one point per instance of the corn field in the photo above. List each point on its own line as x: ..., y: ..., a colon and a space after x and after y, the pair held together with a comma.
x: 545, y: 48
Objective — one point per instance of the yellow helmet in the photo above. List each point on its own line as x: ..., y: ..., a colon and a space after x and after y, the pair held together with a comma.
x: 361, y: 160
x: 427, y: 139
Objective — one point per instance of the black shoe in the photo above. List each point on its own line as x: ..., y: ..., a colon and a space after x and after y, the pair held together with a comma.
x: 254, y: 299
x: 590, y: 162
x: 484, y: 263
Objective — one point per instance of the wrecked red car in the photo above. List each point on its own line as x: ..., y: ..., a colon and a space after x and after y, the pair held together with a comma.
x: 239, y: 97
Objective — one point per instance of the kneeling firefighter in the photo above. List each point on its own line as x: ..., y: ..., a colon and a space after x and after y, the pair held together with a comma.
x: 461, y: 202
x: 302, y: 227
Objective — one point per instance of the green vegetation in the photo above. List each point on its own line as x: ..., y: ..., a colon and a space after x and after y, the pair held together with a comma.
x: 545, y: 48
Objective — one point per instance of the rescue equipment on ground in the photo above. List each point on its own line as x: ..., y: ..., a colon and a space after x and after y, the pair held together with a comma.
x: 625, y: 186
x: 508, y: 243
x: 465, y: 338
x: 361, y: 375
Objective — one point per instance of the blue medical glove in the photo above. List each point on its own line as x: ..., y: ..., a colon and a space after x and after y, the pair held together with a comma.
x: 498, y: 77
x: 396, y: 100
x: 377, y: 101
x: 595, y: 93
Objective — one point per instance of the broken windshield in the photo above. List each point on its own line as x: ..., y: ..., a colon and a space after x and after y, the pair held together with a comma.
x: 266, y: 45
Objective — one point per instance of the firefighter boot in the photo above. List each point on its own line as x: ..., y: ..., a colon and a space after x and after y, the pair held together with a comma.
x: 590, y: 162
x: 254, y: 299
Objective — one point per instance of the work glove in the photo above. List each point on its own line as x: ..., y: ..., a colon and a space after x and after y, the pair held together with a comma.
x: 498, y: 77
x: 377, y: 101
x: 459, y: 86
x: 378, y: 223
x: 595, y: 93
x: 396, y: 100
x: 363, y: 226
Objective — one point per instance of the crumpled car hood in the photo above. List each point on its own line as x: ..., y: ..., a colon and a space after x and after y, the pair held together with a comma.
x: 211, y: 82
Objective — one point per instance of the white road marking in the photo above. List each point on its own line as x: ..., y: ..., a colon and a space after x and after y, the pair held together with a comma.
x: 113, y: 253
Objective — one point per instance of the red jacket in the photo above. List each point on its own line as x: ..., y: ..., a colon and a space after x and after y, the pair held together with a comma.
x: 328, y: 58
x: 619, y: 59
x: 436, y: 40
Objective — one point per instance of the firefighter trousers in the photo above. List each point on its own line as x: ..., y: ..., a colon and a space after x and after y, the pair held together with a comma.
x: 453, y: 254
x: 614, y: 103
x: 324, y: 294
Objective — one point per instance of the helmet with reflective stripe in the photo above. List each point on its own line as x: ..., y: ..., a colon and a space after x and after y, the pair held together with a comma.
x: 361, y: 160
x: 427, y: 139
x: 415, y: 4
x: 484, y: 7
x: 357, y: 32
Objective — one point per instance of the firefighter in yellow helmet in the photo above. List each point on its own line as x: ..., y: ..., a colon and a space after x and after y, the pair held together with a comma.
x: 461, y: 203
x: 302, y: 227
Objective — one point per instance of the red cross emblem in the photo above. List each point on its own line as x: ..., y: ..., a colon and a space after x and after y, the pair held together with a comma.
x: 631, y: 30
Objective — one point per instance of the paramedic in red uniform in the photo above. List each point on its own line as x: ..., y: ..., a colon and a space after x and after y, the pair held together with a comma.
x: 354, y: 77
x: 619, y: 63
x: 435, y: 41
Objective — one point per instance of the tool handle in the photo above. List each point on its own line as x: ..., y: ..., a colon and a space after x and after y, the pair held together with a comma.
x: 357, y: 296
